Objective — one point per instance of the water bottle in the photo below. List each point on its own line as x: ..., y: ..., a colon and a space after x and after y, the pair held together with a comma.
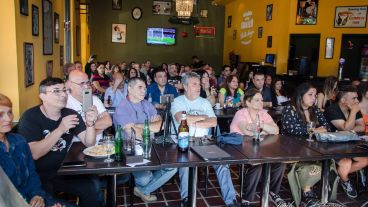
x: 257, y: 129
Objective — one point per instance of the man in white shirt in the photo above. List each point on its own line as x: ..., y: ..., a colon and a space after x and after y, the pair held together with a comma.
x: 78, y: 81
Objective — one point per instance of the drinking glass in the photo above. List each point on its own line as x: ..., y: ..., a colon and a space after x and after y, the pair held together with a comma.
x: 109, y: 146
x: 310, y: 128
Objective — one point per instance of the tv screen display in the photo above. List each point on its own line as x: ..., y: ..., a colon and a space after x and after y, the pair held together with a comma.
x: 161, y: 36
x: 270, y: 58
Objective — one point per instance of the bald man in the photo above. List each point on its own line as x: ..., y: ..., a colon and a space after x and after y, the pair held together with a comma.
x: 77, y: 82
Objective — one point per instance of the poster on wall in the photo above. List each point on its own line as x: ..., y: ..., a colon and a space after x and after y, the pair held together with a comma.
x: 116, y: 4
x: 56, y: 27
x: 49, y: 68
x: 350, y: 16
x: 118, y: 33
x: 47, y: 26
x: 28, y: 64
x: 161, y: 7
x: 269, y: 12
x: 35, y: 20
x: 307, y: 12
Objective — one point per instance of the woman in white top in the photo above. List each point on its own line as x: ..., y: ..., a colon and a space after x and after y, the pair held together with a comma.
x: 279, y: 92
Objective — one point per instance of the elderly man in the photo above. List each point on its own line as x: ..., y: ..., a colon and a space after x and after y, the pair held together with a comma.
x: 77, y: 82
x: 49, y: 129
x: 200, y: 117
x: 258, y: 81
x: 345, y: 115
x: 160, y: 87
x: 131, y: 113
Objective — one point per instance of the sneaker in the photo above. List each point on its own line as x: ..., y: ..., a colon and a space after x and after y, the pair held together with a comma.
x: 364, y: 204
x: 184, y: 202
x: 349, y: 189
x: 310, y: 199
x: 277, y: 200
x: 145, y: 198
x: 234, y: 204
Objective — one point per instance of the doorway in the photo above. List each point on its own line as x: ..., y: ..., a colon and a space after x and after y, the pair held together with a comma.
x: 304, y: 53
x: 352, y: 46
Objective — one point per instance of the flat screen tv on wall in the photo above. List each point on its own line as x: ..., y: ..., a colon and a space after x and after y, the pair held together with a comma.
x: 161, y: 36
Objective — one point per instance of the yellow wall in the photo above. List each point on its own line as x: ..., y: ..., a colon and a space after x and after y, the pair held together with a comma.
x: 280, y: 27
x: 28, y: 97
x: 8, y: 54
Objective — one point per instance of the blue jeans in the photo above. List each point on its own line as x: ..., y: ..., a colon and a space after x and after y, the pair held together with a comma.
x: 149, y: 181
x: 223, y: 177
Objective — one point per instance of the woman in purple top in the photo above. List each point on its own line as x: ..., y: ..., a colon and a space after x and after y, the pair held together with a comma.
x: 99, y: 80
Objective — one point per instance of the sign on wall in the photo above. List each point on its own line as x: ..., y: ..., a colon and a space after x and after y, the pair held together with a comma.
x: 246, y: 27
x: 204, y: 31
x: 351, y: 16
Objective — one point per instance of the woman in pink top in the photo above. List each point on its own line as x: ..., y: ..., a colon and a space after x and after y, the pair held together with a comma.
x: 243, y: 120
x: 243, y: 124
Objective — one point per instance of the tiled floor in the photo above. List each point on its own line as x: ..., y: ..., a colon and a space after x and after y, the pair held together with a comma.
x: 168, y: 195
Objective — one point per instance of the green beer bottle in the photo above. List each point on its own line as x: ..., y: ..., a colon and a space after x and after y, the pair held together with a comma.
x: 146, y: 140
x: 118, y: 144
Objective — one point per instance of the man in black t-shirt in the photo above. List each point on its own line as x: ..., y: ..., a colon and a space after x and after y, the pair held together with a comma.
x: 345, y: 115
x: 49, y: 129
x: 259, y: 83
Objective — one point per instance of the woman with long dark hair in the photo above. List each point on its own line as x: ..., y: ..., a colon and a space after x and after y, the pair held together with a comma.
x: 231, y: 95
x: 280, y: 96
x: 328, y: 95
x: 295, y: 118
x: 207, y: 91
x: 99, y: 80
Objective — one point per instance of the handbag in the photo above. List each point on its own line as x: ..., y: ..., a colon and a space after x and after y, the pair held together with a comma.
x: 342, y: 136
x: 230, y: 138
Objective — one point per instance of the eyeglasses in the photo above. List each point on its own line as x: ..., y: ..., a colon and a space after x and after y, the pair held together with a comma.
x: 81, y: 84
x: 59, y: 91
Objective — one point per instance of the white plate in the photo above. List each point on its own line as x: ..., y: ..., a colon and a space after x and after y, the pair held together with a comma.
x: 97, y: 151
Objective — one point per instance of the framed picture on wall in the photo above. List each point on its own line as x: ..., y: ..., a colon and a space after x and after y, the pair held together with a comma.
x: 23, y: 4
x: 269, y: 41
x: 61, y: 55
x: 161, y: 7
x: 118, y: 33
x: 229, y: 20
x: 47, y: 26
x: 116, y: 4
x: 269, y: 9
x: 260, y: 32
x: 350, y: 17
x: 28, y: 64
x: 56, y: 27
x: 306, y: 13
x: 203, y: 13
x: 35, y: 20
x: 330, y: 41
x: 49, y: 68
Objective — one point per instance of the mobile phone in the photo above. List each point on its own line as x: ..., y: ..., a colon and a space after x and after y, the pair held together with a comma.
x: 94, y: 56
x: 80, y: 163
x: 87, y: 99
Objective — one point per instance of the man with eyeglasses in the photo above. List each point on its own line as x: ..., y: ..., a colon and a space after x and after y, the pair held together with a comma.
x: 345, y: 115
x: 77, y: 82
x: 49, y: 129
x: 226, y: 71
x: 131, y: 113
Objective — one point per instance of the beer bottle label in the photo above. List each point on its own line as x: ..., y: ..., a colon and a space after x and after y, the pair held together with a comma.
x: 183, y: 140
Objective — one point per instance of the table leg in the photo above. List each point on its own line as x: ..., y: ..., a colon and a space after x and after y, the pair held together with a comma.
x: 325, y: 180
x: 241, y: 181
x: 265, y: 184
x: 192, y: 191
x: 111, y: 191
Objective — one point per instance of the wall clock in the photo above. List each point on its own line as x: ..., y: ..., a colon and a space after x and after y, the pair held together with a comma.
x: 137, y: 13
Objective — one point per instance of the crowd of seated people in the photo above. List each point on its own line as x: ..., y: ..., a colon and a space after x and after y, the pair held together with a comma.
x: 135, y: 89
